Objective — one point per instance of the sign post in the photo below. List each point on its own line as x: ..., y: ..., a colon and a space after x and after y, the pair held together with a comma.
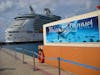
x: 33, y: 61
x: 59, y: 73
x: 23, y: 57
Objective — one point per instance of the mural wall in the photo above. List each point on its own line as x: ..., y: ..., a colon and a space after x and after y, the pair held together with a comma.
x: 84, y: 30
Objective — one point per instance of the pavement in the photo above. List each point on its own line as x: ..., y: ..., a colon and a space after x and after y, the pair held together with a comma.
x: 15, y: 63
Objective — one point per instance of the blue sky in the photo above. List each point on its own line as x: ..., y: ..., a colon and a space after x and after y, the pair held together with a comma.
x: 64, y: 8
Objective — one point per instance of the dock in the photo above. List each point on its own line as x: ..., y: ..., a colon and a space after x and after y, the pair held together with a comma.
x: 12, y: 63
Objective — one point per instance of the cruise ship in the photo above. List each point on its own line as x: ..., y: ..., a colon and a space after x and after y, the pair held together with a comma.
x: 28, y: 27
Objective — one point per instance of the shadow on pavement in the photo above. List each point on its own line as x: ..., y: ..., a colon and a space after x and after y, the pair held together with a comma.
x: 4, y: 69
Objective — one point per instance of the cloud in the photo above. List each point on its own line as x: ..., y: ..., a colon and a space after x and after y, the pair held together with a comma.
x: 61, y: 7
x: 5, y: 5
x: 23, y: 3
x: 88, y: 4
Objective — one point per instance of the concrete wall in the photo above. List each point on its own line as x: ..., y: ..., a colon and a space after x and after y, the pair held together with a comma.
x: 80, y: 60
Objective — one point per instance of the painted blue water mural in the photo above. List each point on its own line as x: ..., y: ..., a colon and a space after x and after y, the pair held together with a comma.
x: 84, y: 30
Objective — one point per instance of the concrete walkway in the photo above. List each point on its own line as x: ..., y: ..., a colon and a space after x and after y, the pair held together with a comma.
x: 10, y: 66
x: 11, y: 63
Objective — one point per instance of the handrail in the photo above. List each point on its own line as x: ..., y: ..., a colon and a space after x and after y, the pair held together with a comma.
x: 64, y: 60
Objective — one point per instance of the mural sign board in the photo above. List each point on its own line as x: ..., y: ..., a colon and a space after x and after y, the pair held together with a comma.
x: 78, y: 31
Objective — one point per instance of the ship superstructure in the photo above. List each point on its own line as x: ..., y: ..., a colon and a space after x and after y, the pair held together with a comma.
x: 28, y: 27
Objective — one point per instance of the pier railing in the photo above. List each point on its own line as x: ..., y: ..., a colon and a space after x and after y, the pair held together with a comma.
x: 58, y: 59
x: 34, y: 55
